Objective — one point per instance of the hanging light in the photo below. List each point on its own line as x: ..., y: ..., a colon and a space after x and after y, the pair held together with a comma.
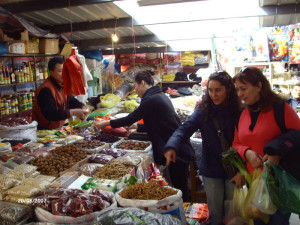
x: 114, y: 37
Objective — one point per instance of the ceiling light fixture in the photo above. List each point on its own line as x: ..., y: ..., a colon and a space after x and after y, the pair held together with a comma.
x: 114, y: 37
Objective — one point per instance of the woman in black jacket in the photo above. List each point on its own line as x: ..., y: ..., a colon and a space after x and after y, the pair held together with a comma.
x: 160, y: 121
x: 220, y: 105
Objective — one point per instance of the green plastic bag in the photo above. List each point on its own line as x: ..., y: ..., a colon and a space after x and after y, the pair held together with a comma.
x: 283, y: 188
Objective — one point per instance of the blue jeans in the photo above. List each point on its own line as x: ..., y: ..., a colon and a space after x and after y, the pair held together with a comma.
x: 276, y: 219
x: 219, y: 194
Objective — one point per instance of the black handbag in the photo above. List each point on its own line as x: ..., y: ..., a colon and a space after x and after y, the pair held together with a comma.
x: 230, y: 170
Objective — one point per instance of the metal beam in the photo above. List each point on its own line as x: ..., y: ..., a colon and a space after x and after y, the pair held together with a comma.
x: 93, y: 25
x: 122, y: 40
x: 38, y: 5
x: 138, y: 50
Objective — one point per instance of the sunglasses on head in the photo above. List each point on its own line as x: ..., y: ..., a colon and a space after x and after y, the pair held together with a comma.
x: 223, y: 73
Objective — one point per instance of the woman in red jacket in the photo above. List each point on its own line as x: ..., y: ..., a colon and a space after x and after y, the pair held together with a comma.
x: 257, y: 125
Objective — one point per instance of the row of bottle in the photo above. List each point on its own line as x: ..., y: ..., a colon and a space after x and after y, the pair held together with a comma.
x: 21, y: 74
x: 17, y: 103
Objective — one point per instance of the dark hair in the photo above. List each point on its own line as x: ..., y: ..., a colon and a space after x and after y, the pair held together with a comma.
x: 146, y: 76
x: 233, y: 100
x: 55, y: 60
x: 253, y: 76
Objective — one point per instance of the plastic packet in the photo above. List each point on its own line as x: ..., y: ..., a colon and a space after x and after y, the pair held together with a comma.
x: 130, y: 160
x: 105, y: 195
x: 89, y: 169
x: 4, y: 170
x: 23, y: 160
x: 23, y: 191
x: 78, y: 207
x: 45, y: 177
x: 10, y: 165
x: 22, y: 172
x: 7, y: 182
x: 8, y: 156
x: 114, y: 152
x: 101, y: 158
x: 37, y: 183
x: 12, y: 212
x: 2, y: 195
x: 18, y: 199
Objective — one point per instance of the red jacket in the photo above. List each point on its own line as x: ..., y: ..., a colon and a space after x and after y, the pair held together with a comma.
x: 72, y: 77
x: 265, y: 130
x: 60, y: 100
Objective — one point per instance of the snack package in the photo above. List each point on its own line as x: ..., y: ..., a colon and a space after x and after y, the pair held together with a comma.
x: 155, y: 175
x: 6, y: 182
x: 12, y: 212
x: 89, y: 169
x: 4, y: 170
x: 22, y: 172
x: 11, y: 165
x: 23, y: 160
x: 23, y: 191
x: 101, y: 158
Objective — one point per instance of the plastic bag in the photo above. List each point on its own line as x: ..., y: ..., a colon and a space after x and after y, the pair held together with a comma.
x: 37, y: 183
x: 4, y: 170
x: 238, y: 202
x: 12, y: 212
x: 23, y: 191
x: 22, y: 172
x: 251, y: 211
x: 89, y: 169
x: 18, y: 199
x: 101, y: 158
x: 130, y: 105
x: 23, y: 160
x: 10, y: 165
x: 283, y: 188
x: 6, y: 182
x: 114, y: 152
x: 134, y: 216
x: 109, y: 100
x: 262, y: 199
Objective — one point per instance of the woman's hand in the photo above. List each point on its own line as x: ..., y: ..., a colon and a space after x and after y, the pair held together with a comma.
x: 254, y: 158
x: 275, y: 159
x: 170, y: 155
x: 101, y: 124
x: 239, y: 180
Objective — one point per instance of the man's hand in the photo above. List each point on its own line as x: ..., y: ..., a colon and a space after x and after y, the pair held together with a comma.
x: 170, y: 156
x: 254, y: 158
x: 101, y: 124
x: 80, y: 113
x: 239, y: 180
x: 275, y: 159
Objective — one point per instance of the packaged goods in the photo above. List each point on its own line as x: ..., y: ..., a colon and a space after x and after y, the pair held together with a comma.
x: 18, y: 199
x: 11, y: 165
x: 37, y: 183
x: 106, y: 137
x: 100, y: 184
x: 23, y: 191
x: 7, y: 182
x: 12, y: 212
x: 22, y: 172
x: 23, y: 160
x: 4, y: 170
x: 132, y: 145
x: 101, y: 158
x: 89, y: 169
x: 90, y: 144
x: 114, y: 152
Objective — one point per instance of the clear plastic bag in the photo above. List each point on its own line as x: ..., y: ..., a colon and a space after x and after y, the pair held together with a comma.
x: 10, y: 165
x: 23, y: 160
x: 18, y: 199
x: 7, y: 182
x: 101, y: 158
x: 238, y: 202
x: 262, y: 199
x: 45, y: 177
x: 89, y: 169
x: 22, y: 172
x: 37, y: 183
x: 253, y: 212
x: 12, y: 212
x: 4, y: 170
x: 23, y: 191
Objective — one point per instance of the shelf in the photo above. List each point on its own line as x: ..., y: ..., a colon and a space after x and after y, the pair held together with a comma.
x: 7, y: 85
x: 180, y: 82
x: 13, y: 114
x: 27, y: 55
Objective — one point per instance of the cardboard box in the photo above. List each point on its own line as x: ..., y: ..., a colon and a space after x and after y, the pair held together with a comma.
x: 24, y: 35
x: 16, y: 48
x: 67, y: 49
x: 65, y: 180
x: 32, y: 47
x: 49, y: 46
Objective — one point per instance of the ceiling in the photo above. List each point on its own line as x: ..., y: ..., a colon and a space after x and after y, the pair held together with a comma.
x: 90, y: 23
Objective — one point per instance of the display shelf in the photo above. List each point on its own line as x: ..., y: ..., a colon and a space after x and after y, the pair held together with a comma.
x: 7, y: 85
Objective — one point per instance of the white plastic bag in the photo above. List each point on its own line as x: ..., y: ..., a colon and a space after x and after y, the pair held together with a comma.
x: 19, y: 132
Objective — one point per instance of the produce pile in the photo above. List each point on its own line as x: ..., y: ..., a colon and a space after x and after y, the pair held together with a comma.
x: 105, y: 137
x: 147, y: 191
x: 13, y: 122
x: 133, y: 145
x: 89, y: 144
x: 60, y: 159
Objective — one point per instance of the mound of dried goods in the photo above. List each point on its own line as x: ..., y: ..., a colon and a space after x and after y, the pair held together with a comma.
x: 147, y: 191
x: 89, y: 144
x: 113, y: 171
x: 108, y: 138
x: 13, y: 122
x: 60, y: 159
x: 133, y: 145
